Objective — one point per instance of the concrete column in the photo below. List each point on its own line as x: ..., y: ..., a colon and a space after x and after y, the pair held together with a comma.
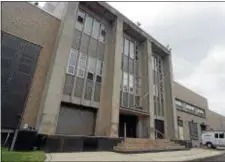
x: 108, y: 114
x: 170, y: 110
x: 54, y: 86
x: 151, y: 82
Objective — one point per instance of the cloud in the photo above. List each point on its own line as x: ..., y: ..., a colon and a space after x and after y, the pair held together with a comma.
x: 195, y: 32
x: 209, y: 78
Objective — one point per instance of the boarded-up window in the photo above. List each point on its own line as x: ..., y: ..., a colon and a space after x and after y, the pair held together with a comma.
x: 68, y: 86
x: 84, y: 43
x: 76, y: 40
x: 80, y: 20
x: 79, y: 87
x: 72, y: 61
x: 97, y: 92
x: 93, y: 48
x: 100, y: 51
x: 88, y: 90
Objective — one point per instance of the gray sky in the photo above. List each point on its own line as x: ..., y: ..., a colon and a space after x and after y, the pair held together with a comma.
x: 196, y: 33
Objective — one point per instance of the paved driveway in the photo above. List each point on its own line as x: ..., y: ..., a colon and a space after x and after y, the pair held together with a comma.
x: 186, y: 155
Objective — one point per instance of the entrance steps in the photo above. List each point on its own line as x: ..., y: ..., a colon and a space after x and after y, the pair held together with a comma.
x: 132, y: 145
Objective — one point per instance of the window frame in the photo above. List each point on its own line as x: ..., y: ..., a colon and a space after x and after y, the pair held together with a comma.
x: 83, y: 62
x: 74, y: 51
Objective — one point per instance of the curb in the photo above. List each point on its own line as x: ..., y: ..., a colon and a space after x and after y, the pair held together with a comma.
x: 206, y: 158
x: 150, y: 151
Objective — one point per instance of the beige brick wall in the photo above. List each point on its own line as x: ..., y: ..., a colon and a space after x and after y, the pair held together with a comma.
x: 189, y: 96
x: 216, y: 121
x: 34, y: 25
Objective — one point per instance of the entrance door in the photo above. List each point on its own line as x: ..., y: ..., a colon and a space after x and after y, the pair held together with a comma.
x: 18, y: 60
x: 131, y: 125
x: 159, y: 126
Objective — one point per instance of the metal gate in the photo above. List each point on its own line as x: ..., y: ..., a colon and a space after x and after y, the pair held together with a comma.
x: 76, y: 120
x: 18, y: 60
x: 193, y: 130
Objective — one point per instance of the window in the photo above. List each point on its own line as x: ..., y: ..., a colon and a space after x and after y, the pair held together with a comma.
x: 88, y: 25
x: 125, y: 82
x: 216, y: 135
x: 221, y: 135
x: 90, y: 76
x: 102, y: 33
x: 125, y: 63
x: 132, y: 50
x: 91, y: 64
x: 98, y: 79
x: 99, y: 67
x: 126, y: 47
x: 131, y: 83
x: 96, y: 29
x: 72, y: 61
x: 153, y: 63
x: 80, y: 20
x: 82, y: 65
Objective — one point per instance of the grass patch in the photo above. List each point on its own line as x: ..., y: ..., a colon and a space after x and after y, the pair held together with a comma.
x: 9, y: 156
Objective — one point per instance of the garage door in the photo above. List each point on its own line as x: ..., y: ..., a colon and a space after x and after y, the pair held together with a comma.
x: 75, y: 120
x: 18, y: 60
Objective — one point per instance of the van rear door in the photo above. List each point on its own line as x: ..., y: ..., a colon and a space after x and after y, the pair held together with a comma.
x: 221, y: 139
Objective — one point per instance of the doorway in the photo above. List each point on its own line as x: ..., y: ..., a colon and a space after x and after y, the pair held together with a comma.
x: 159, y: 126
x: 131, y: 125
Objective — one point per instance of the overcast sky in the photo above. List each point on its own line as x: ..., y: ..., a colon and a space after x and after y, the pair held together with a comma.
x: 196, y: 33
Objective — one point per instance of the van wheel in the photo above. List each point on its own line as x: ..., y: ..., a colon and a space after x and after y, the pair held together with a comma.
x: 209, y: 145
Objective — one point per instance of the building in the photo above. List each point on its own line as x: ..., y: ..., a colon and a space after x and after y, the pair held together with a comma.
x: 193, y: 114
x: 90, y: 72
x: 82, y: 68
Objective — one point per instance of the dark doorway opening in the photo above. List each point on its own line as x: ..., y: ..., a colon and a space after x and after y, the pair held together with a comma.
x: 203, y: 127
x: 131, y: 125
x: 159, y: 126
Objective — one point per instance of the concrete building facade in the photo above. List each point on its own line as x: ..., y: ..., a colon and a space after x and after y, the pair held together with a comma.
x: 89, y: 71
x: 102, y: 74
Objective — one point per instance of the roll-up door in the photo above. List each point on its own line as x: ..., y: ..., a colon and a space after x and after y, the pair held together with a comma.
x: 76, y: 120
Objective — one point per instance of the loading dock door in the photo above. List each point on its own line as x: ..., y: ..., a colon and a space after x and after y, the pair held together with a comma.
x: 74, y: 120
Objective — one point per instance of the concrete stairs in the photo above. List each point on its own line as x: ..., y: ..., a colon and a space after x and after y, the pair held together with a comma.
x: 133, y: 145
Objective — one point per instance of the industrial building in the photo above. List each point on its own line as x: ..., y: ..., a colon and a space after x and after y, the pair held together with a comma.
x: 83, y: 68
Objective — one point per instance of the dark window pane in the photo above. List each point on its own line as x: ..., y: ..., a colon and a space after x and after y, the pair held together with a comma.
x: 216, y: 135
x: 90, y: 76
x: 131, y: 100
x: 221, y: 135
x: 98, y: 79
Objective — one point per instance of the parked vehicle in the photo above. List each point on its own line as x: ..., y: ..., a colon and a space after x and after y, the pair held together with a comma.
x: 213, y: 139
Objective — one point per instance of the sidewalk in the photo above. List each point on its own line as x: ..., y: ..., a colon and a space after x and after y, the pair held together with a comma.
x: 187, y: 155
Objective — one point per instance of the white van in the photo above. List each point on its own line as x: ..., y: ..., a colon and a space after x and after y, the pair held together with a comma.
x: 213, y: 139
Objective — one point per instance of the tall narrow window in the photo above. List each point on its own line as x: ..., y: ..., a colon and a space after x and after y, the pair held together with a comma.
x: 131, y: 83
x: 82, y: 65
x: 88, y: 25
x: 126, y: 47
x: 99, y: 67
x: 72, y: 61
x: 80, y: 20
x: 91, y: 68
x: 132, y: 50
x: 125, y: 82
x: 102, y: 36
x: 96, y: 29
